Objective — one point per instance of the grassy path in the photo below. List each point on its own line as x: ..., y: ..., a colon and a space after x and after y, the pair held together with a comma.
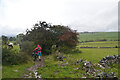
x: 31, y: 72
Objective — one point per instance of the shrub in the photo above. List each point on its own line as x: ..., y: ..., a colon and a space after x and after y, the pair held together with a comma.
x: 27, y: 47
x: 15, y: 43
x: 11, y: 57
x: 48, y: 35
x: 76, y: 51
x: 24, y: 57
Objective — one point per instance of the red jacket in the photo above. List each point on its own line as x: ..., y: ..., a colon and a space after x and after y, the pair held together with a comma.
x: 36, y: 49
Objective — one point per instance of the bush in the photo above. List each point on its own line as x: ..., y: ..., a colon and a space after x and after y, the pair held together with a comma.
x: 24, y: 57
x: 76, y: 51
x: 11, y: 57
x: 28, y: 47
x: 15, y: 43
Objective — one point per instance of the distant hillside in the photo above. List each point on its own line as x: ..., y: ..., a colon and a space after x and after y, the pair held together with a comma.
x: 96, y: 36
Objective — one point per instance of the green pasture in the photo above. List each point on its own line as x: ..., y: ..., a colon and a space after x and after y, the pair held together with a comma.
x: 9, y: 71
x: 98, y: 36
x: 95, y: 55
x: 58, y: 69
x: 99, y: 44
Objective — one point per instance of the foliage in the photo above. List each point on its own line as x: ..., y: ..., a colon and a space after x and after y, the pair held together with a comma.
x: 27, y: 47
x: 19, y: 38
x: 10, y: 56
x: 4, y: 39
x: 12, y: 39
x: 48, y: 35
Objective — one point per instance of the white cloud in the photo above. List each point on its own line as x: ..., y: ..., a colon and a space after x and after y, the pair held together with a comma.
x: 90, y: 15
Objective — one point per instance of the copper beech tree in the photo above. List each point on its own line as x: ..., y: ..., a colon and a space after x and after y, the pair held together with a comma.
x: 48, y: 35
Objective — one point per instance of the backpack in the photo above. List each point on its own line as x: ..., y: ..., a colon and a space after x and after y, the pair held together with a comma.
x: 35, y: 50
x: 39, y: 49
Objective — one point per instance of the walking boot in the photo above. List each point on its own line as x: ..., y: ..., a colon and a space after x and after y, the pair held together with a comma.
x: 39, y: 59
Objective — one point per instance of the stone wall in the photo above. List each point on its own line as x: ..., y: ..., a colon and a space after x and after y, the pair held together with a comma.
x: 103, y: 63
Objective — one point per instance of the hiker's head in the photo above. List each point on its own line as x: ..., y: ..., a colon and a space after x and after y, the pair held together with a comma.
x: 38, y: 45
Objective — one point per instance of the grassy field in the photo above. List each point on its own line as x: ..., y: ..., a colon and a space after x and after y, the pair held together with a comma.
x: 98, y: 36
x: 99, y: 44
x: 68, y: 68
x: 56, y: 69
x: 15, y: 71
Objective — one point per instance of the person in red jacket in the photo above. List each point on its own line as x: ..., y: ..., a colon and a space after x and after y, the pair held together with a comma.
x: 38, y: 52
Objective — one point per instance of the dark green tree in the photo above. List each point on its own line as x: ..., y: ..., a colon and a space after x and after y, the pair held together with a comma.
x: 4, y: 40
x: 12, y: 39
x: 19, y: 38
x: 48, y: 35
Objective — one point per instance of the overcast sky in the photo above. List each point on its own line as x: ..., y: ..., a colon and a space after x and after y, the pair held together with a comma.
x: 81, y: 15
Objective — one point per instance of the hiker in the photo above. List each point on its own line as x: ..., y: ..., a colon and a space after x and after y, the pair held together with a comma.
x: 38, y: 52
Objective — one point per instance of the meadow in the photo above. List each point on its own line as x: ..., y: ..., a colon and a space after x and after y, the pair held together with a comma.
x: 68, y: 68
x: 56, y: 69
x: 99, y: 44
x: 96, y: 36
x: 15, y: 71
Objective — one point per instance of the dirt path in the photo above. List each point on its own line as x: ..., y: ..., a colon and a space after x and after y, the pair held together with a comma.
x: 32, y: 71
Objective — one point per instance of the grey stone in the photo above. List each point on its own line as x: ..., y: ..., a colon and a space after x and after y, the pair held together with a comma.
x: 16, y: 70
x: 101, y: 66
x: 79, y: 61
x: 25, y: 75
x: 70, y: 72
x: 84, y: 77
x: 83, y: 74
x: 103, y: 63
x: 75, y: 68
x: 87, y: 64
x: 110, y: 59
x: 104, y: 58
x: 113, y: 74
